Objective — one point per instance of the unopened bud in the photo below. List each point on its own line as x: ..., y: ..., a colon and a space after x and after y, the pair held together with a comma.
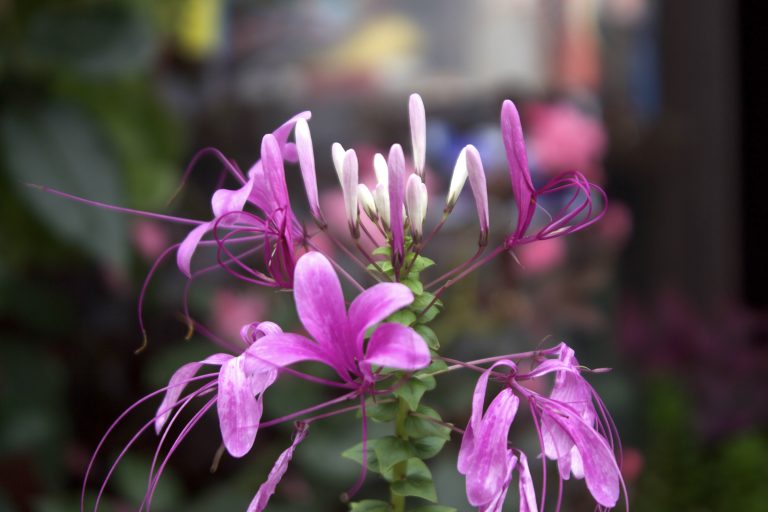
x: 337, y: 154
x: 457, y: 181
x: 365, y: 198
x: 349, y: 189
x: 418, y: 132
x: 416, y: 205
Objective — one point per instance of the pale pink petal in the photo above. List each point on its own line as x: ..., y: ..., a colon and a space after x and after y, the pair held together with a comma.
x: 479, y: 188
x: 284, y: 130
x: 188, y: 246
x: 397, y: 346
x: 374, y: 305
x: 320, y: 302
x: 267, y: 489
x: 490, y: 461
x: 418, y: 121
x: 527, y: 492
x: 497, y: 504
x: 396, y: 187
x: 177, y: 384
x: 239, y: 410
x: 307, y: 164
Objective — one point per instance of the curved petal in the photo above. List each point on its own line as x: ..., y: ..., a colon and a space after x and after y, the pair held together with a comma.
x: 226, y: 201
x: 177, y: 384
x: 320, y: 303
x: 490, y: 462
x: 257, y: 330
x: 306, y: 156
x: 274, y: 172
x: 188, y: 246
x: 239, y: 410
x: 267, y: 489
x: 397, y: 346
x: 374, y: 305
x: 284, y: 131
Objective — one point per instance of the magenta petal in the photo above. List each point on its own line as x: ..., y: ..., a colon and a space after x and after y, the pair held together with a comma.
x: 177, y: 384
x: 257, y: 330
x: 514, y: 144
x: 396, y: 165
x: 466, y: 450
x: 239, y: 410
x: 375, y: 304
x: 320, y: 302
x: 490, y: 461
x: 397, y: 346
x: 267, y: 489
x: 284, y: 131
x: 284, y: 349
x: 497, y: 504
x: 188, y: 246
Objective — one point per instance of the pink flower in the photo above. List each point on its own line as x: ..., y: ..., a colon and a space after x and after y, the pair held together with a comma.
x: 577, y: 211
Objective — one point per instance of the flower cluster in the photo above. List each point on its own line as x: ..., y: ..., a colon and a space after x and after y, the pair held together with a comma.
x: 381, y: 348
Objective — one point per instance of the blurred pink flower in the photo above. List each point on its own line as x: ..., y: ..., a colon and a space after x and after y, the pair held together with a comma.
x: 562, y: 138
x: 542, y: 256
x: 230, y: 311
x: 632, y: 464
x: 149, y: 238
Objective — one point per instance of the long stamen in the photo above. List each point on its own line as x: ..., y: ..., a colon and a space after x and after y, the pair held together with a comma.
x: 124, y: 414
x: 364, y: 463
x: 297, y: 414
x: 228, y: 165
x: 339, y: 268
x: 120, y: 209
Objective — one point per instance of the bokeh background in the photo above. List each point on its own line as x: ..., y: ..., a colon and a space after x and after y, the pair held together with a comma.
x: 110, y: 100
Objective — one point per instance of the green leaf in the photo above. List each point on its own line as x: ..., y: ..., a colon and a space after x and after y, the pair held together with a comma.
x: 384, y: 250
x: 427, y: 447
x: 417, y: 482
x: 61, y: 147
x: 421, y: 263
x: 411, y: 392
x: 418, y: 427
x: 355, y: 453
x: 403, y: 316
x: 370, y: 506
x: 390, y: 450
x: 435, y: 366
x: 428, y: 381
x: 381, y: 412
x: 414, y: 285
x: 429, y: 336
x: 434, y: 508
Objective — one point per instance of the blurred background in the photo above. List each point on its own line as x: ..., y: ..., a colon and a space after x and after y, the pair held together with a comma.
x: 109, y: 100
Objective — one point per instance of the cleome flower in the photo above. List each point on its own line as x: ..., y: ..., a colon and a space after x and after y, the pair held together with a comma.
x: 339, y: 341
x: 570, y: 429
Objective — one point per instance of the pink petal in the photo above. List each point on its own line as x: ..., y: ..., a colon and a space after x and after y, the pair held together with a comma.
x: 177, y: 384
x: 601, y: 472
x: 226, y: 201
x: 527, y: 492
x: 267, y: 489
x: 479, y: 188
x: 320, y: 302
x: 239, y: 410
x: 397, y: 346
x: 274, y: 172
x: 514, y: 144
x: 188, y: 246
x: 497, y: 504
x: 252, y: 332
x: 490, y: 461
x: 396, y: 164
x: 374, y: 305
x: 284, y: 130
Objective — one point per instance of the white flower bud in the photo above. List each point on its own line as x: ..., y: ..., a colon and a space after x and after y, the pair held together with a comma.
x: 458, y: 179
x: 416, y: 205
x: 337, y: 154
x: 418, y: 132
x: 381, y: 198
x: 365, y: 198
x: 349, y: 189
x: 381, y: 169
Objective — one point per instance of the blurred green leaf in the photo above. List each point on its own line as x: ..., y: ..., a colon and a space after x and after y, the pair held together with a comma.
x: 97, y: 39
x: 130, y: 480
x: 390, y: 450
x: 60, y: 147
x: 370, y: 506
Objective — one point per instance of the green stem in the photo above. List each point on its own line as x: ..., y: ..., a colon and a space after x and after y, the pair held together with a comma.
x: 400, y: 469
